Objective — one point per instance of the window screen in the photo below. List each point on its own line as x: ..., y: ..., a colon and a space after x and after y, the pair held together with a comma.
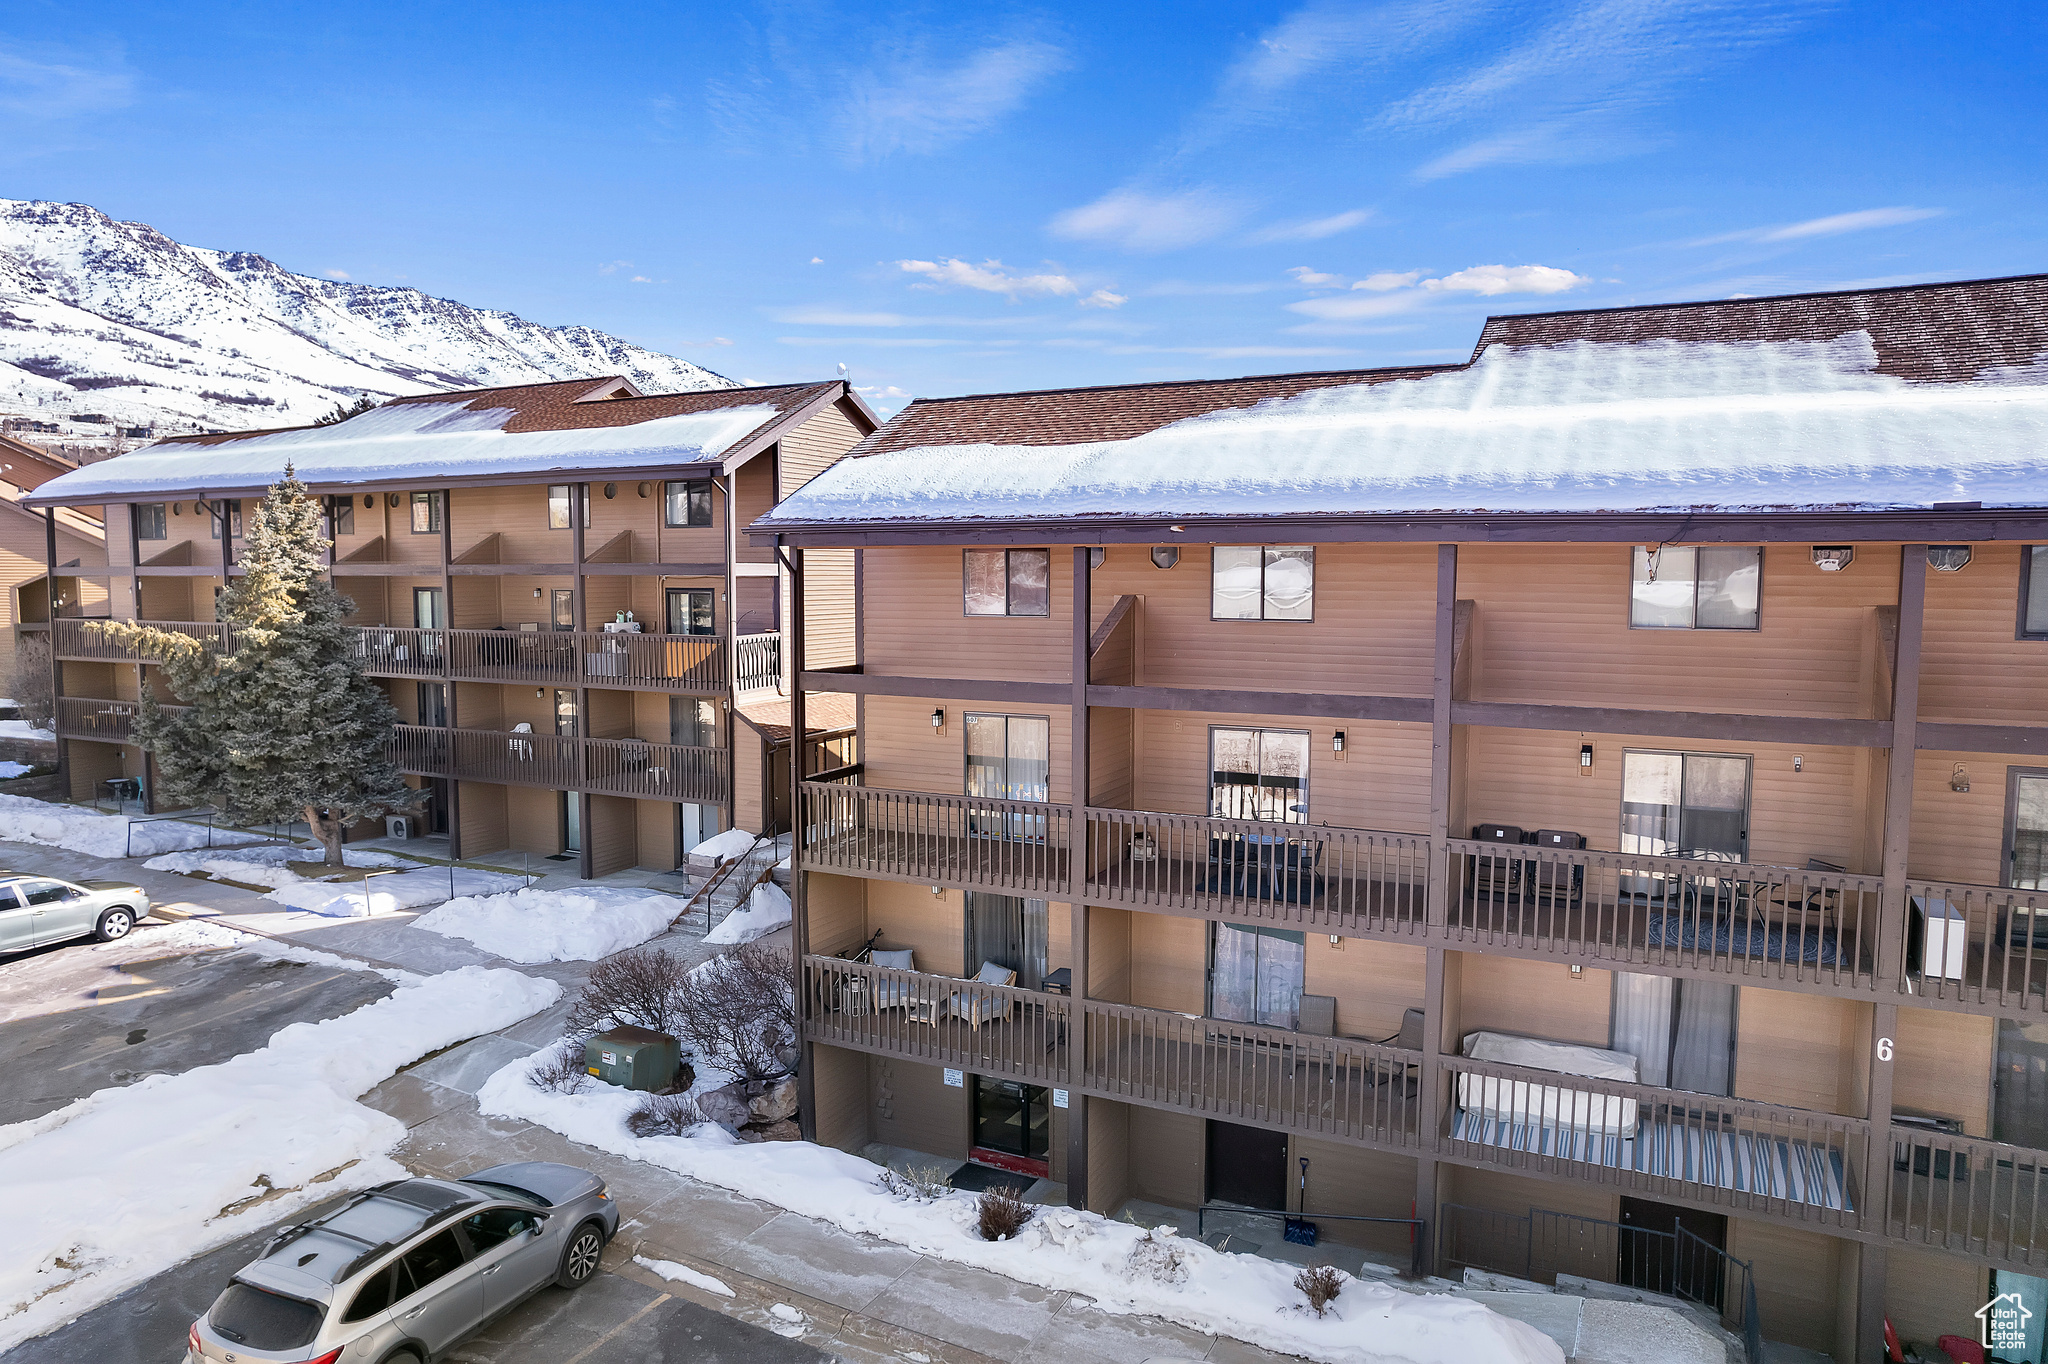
x: 1262, y: 582
x: 1008, y: 582
x: 686, y: 503
x: 1695, y: 587
x: 149, y: 521
x: 2034, y: 593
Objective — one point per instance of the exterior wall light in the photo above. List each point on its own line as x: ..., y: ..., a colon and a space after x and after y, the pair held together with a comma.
x: 939, y: 718
x: 1948, y: 558
x: 1585, y: 757
x: 1833, y: 558
x: 1165, y: 556
x: 1959, y: 779
x: 1337, y: 743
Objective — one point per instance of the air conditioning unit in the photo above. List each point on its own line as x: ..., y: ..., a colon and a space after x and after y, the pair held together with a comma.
x: 401, y: 826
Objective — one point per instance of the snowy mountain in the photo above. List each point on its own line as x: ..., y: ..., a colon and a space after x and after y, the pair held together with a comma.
x: 115, y: 320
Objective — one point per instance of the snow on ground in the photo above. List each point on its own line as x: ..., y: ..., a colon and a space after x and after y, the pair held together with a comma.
x: 675, y: 1273
x: 265, y: 866
x: 14, y: 769
x: 389, y: 894
x: 766, y: 910
x: 23, y: 820
x: 22, y: 729
x: 725, y: 846
x: 1121, y: 1267
x: 555, y: 925
x: 119, y: 1186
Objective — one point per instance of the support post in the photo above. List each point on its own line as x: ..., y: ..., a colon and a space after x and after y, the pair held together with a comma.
x: 1077, y: 875
x: 579, y: 621
x: 799, y: 879
x: 448, y: 663
x: 732, y: 656
x: 50, y: 636
x: 1437, y: 905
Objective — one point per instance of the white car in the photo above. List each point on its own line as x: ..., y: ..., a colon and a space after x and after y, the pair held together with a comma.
x: 36, y: 911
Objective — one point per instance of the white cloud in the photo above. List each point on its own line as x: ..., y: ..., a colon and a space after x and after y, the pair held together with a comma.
x: 990, y: 277
x: 916, y: 104
x: 1315, y: 229
x: 341, y: 275
x: 1354, y: 307
x: 1103, y: 298
x: 1308, y: 277
x: 1507, y: 279
x: 817, y: 260
x: 1388, y: 279
x: 1137, y: 221
x: 1833, y: 225
x: 889, y: 392
x: 41, y: 83
x: 612, y: 267
x: 641, y: 279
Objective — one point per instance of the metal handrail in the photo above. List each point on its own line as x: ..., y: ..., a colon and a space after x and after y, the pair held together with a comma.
x: 1418, y: 1228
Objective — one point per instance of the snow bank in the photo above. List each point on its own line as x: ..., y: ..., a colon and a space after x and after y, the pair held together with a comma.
x: 1580, y: 427
x: 23, y: 820
x: 555, y: 925
x: 1119, y: 1266
x: 766, y: 910
x: 725, y: 846
x: 120, y: 1185
x: 389, y: 894
x: 22, y: 729
x: 265, y: 866
x: 14, y: 769
x: 675, y: 1273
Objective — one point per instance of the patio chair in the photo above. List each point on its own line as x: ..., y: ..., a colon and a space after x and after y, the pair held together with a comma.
x: 978, y: 1007
x: 522, y: 749
x: 894, y: 994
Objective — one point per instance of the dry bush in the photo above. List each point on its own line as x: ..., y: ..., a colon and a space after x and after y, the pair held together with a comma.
x: 663, y: 1115
x: 562, y: 1072
x: 919, y: 1183
x: 738, y: 1013
x: 1320, y: 1285
x: 643, y: 988
x: 1000, y: 1213
x: 30, y: 684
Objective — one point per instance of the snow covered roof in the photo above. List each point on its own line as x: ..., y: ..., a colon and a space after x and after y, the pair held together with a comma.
x: 1896, y: 399
x: 484, y: 435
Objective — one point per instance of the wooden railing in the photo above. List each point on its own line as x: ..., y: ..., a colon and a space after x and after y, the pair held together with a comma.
x: 1240, y: 1072
x: 989, y: 1029
x: 1977, y: 946
x: 757, y: 661
x: 1346, y: 881
x: 620, y: 767
x: 107, y: 722
x: 1789, y: 1163
x: 1734, y: 918
x: 76, y: 639
x: 559, y: 657
x: 1969, y: 1195
x: 1011, y: 845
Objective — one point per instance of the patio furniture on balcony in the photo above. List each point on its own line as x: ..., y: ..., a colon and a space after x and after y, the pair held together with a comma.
x: 522, y: 749
x: 1270, y: 867
x: 892, y: 994
x: 980, y: 1006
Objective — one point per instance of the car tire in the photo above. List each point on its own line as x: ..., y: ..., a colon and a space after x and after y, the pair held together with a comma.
x: 580, y: 1257
x: 403, y: 1356
x: 114, y: 924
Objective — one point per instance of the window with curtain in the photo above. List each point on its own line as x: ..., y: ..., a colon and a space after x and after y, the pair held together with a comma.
x: 1688, y: 587
x: 686, y: 502
x: 1009, y: 932
x: 1009, y: 757
x: 1256, y: 975
x: 1259, y: 774
x: 1681, y: 1032
x: 1262, y: 582
x: 1007, y: 582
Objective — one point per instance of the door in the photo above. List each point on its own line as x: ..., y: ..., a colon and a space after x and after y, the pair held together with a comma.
x: 690, y: 612
x: 1660, y: 1250
x: 2020, y: 1092
x: 693, y: 722
x: 437, y: 804
x: 1009, y: 932
x: 565, y: 713
x: 511, y: 1260
x: 1682, y: 1032
x: 562, y: 608
x: 1012, y: 1125
x: 57, y: 912
x: 16, y: 920
x: 572, y: 823
x: 1247, y: 1166
x: 2026, y: 856
x: 442, y: 1296
x: 433, y: 704
x: 1009, y: 757
x: 1685, y: 805
x: 1259, y: 774
x: 1256, y: 974
x: 426, y: 608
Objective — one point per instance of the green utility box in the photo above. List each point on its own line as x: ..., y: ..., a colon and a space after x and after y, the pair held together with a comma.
x: 633, y: 1058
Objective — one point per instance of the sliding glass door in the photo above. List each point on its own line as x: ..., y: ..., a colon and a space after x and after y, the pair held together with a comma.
x: 1009, y: 757
x: 1259, y: 774
x: 1681, y: 1032
x: 1256, y: 975
x: 1685, y: 805
x: 1009, y: 932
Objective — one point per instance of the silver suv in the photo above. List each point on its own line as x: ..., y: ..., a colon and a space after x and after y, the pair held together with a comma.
x: 36, y: 911
x: 398, y: 1275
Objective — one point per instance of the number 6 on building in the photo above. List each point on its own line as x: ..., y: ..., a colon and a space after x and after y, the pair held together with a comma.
x: 1884, y: 1049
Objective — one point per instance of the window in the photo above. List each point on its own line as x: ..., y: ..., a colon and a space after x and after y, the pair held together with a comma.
x: 689, y: 611
x: 433, y: 704
x: 1008, y: 582
x: 374, y: 1296
x: 495, y: 1226
x: 565, y: 712
x: 1256, y: 974
x: 1259, y: 774
x: 2027, y: 860
x: 1681, y: 1032
x: 233, y: 508
x: 686, y: 503
x: 149, y: 521
x: 426, y: 513
x: 44, y: 892
x: 1685, y: 805
x: 1686, y: 587
x: 2034, y: 592
x: 428, y: 1261
x: 1009, y: 932
x: 1009, y: 757
x: 344, y: 516
x: 260, y: 1320
x: 558, y: 507
x: 693, y: 722
x: 1262, y: 582
x: 426, y: 608
x: 562, y: 607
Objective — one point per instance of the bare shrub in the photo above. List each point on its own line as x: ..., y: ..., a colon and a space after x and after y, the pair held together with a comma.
x: 644, y: 988
x: 1000, y: 1213
x: 1320, y: 1285
x: 919, y: 1183
x: 31, y: 681
x: 738, y: 1013
x: 562, y: 1072
x: 663, y: 1115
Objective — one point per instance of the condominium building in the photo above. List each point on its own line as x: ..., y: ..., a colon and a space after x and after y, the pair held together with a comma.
x: 1585, y: 805
x: 547, y: 579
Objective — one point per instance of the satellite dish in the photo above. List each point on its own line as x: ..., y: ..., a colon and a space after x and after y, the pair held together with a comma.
x: 842, y: 371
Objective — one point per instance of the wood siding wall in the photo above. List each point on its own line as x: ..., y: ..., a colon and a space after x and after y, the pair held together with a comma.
x: 485, y: 825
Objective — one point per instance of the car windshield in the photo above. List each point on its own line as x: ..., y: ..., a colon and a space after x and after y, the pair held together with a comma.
x: 510, y: 1192
x: 249, y: 1316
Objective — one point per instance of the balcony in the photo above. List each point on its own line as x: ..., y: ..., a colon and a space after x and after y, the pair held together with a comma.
x: 607, y: 767
x: 976, y: 842
x: 75, y: 641
x: 107, y: 722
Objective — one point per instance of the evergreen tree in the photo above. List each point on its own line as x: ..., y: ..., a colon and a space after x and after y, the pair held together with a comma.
x: 285, y: 727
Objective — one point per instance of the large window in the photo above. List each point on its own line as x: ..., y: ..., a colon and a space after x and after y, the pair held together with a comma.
x: 1262, y: 582
x: 1009, y: 932
x: 1256, y: 975
x: 426, y: 513
x: 686, y: 503
x: 559, y: 499
x: 689, y: 611
x: 693, y: 722
x: 1688, y: 587
x: 1008, y: 582
x: 1009, y: 757
x: 344, y: 516
x: 1259, y: 774
x: 2034, y: 592
x: 1685, y: 805
x: 232, y: 509
x: 149, y: 521
x: 1682, y: 1032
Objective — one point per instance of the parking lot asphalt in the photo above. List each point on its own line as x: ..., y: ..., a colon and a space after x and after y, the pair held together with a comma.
x: 80, y: 1016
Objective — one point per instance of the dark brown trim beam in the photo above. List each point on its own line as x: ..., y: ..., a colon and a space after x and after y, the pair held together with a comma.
x: 2021, y: 740
x: 940, y: 688
x: 1414, y: 709
x: 1690, y: 724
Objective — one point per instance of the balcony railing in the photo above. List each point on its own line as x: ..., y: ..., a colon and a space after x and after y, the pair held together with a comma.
x: 107, y: 722
x: 1969, y: 1195
x: 564, y: 658
x: 75, y: 640
x: 758, y: 662
x: 989, y: 1029
x: 1736, y: 918
x: 1977, y: 946
x: 975, y: 841
x: 616, y: 767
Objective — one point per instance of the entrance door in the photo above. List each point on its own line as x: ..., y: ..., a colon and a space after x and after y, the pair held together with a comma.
x: 689, y: 611
x: 572, y: 823
x: 433, y: 704
x: 1256, y: 974
x: 1009, y: 757
x: 437, y: 805
x: 1682, y: 1031
x: 1674, y: 1262
x: 2020, y: 1106
x: 562, y: 607
x: 1247, y: 1166
x: 1009, y: 932
x: 1012, y: 1126
x: 565, y: 712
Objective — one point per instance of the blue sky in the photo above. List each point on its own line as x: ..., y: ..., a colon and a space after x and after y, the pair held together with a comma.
x: 966, y: 199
